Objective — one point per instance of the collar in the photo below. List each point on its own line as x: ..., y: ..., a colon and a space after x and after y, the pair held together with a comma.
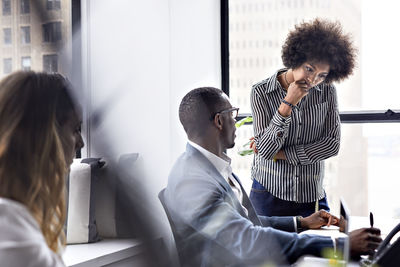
x: 223, y: 164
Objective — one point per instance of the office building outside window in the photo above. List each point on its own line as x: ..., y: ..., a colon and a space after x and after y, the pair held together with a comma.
x: 7, y: 37
x: 50, y: 63
x: 25, y: 7
x: 31, y: 31
x: 52, y: 32
x: 6, y: 7
x: 26, y: 63
x: 53, y: 4
x: 7, y: 65
x: 25, y: 35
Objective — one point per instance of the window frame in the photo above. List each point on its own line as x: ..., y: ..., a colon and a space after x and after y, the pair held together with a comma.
x: 25, y: 7
x: 6, y: 12
x: 53, y: 4
x: 50, y: 33
x: 358, y: 116
x: 25, y: 34
x: 50, y: 59
x: 22, y: 63
x: 10, y: 36
x: 4, y: 65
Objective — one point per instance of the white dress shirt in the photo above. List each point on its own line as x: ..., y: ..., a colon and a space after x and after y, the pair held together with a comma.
x: 21, y: 240
x: 223, y: 166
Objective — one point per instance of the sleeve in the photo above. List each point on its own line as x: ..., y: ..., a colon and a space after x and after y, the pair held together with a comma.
x: 284, y: 223
x: 270, y: 127
x: 203, y: 207
x: 22, y: 243
x: 326, y: 146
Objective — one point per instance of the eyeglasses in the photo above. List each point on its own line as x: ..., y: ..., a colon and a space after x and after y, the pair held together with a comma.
x: 234, y: 112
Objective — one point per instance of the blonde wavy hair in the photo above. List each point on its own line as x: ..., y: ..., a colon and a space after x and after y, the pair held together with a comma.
x: 33, y: 106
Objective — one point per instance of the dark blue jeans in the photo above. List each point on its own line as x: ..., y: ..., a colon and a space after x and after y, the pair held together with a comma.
x: 268, y: 205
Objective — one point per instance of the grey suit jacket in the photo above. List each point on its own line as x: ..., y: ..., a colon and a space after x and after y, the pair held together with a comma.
x: 212, y: 229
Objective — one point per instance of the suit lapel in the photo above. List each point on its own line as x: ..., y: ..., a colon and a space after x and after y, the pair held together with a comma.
x: 209, y: 167
x: 248, y: 205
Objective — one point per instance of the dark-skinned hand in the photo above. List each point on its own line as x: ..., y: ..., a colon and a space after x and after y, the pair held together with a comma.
x: 364, y: 241
x: 318, y: 219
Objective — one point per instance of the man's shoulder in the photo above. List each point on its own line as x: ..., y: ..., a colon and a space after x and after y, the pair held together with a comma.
x: 191, y: 159
x: 191, y: 166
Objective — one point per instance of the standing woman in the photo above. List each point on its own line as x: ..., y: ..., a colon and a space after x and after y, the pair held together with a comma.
x: 296, y: 120
x: 39, y: 135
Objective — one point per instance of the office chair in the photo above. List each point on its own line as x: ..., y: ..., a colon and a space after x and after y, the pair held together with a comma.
x: 188, y: 252
x: 171, y: 223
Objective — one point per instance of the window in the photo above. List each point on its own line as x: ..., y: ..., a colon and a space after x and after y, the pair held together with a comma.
x: 7, y: 36
x: 25, y: 7
x: 52, y: 32
x: 26, y: 63
x: 368, y: 150
x: 6, y: 7
x: 25, y: 35
x: 53, y: 4
x: 7, y: 65
x: 50, y: 63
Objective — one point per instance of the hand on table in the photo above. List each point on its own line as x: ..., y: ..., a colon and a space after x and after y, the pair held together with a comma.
x: 318, y: 219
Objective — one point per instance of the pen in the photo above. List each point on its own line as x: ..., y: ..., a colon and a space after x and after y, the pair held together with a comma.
x: 317, y: 205
x: 371, y: 219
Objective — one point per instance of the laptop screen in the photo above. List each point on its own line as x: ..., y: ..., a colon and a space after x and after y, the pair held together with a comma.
x: 345, y: 216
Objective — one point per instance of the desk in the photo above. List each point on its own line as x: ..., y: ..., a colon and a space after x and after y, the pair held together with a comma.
x: 386, y: 224
x: 356, y: 222
x: 110, y: 252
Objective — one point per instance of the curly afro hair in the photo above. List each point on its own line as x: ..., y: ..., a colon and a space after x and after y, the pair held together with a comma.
x: 320, y: 41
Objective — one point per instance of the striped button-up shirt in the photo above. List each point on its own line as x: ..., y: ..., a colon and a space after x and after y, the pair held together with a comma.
x: 308, y: 136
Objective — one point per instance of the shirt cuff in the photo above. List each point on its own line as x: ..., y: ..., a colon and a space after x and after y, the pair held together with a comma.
x: 291, y: 155
x: 296, y: 155
x: 301, y: 155
x: 280, y: 121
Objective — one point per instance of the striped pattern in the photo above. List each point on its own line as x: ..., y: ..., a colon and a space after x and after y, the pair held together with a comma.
x: 310, y: 135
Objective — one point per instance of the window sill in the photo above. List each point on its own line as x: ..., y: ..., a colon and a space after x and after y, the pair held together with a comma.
x: 104, y: 252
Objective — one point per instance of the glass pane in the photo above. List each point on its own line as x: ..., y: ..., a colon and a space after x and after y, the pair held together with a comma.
x: 7, y: 65
x: 25, y: 43
x: 26, y: 63
x: 365, y: 172
x: 6, y: 7
x: 25, y: 7
x: 25, y: 35
x: 7, y: 36
x: 257, y: 30
x: 241, y: 164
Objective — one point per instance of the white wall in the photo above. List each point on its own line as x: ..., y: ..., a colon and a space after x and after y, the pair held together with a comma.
x: 128, y: 77
x: 140, y: 58
x: 195, y: 56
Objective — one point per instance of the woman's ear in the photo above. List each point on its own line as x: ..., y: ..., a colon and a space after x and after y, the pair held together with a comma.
x: 218, y: 121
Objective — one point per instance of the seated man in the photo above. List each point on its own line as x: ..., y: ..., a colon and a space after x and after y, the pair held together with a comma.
x: 215, y: 223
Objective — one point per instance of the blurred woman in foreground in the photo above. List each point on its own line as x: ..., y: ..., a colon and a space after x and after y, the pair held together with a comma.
x: 39, y: 135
